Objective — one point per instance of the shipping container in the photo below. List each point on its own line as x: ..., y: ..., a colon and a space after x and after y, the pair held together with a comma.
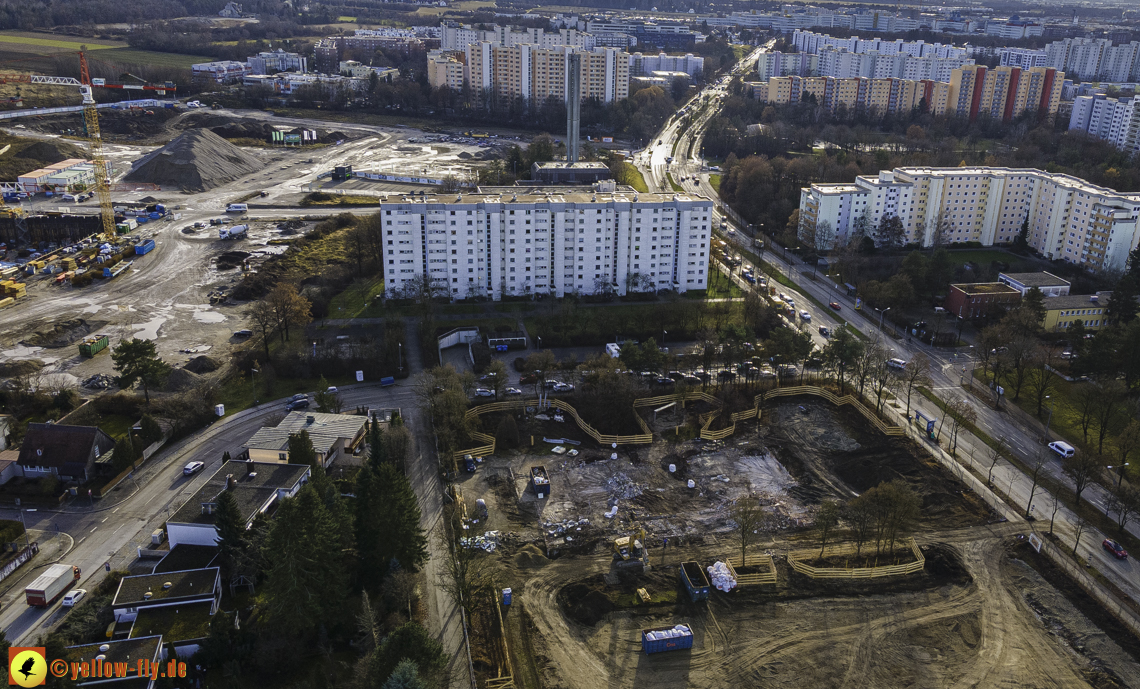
x: 540, y: 481
x: 660, y: 639
x: 695, y: 581
x: 144, y: 248
x: 49, y: 586
x: 93, y: 345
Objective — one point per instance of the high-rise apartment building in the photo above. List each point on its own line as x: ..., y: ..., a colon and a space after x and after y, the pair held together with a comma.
x: 1114, y: 120
x: 445, y: 68
x: 1004, y: 92
x: 1068, y: 218
x: 558, y: 241
x: 534, y: 73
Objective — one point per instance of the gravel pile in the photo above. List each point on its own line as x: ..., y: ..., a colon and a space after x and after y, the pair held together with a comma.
x: 195, y: 161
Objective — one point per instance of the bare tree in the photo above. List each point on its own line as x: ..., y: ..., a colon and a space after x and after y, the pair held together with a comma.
x: 1107, y: 415
x: 1127, y: 441
x: 860, y: 514
x: 1041, y: 381
x: 1125, y: 502
x: 1082, y: 468
x: 1085, y: 403
x: 916, y: 375
x: 961, y: 414
x: 750, y: 519
x: 825, y: 521
x: 1019, y: 354
x: 1080, y: 526
x: 467, y: 573
x: 1039, y: 462
x: 1055, y: 505
x: 995, y: 456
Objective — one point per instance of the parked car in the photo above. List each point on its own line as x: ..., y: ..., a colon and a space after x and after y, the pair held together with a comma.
x: 332, y: 389
x: 484, y: 392
x: 469, y: 463
x: 192, y: 468
x: 528, y: 378
x: 297, y: 405
x: 834, y: 305
x: 549, y: 384
x: 243, y: 333
x: 514, y: 391
x: 563, y: 387
x: 77, y: 595
x: 299, y: 396
x: 1115, y: 548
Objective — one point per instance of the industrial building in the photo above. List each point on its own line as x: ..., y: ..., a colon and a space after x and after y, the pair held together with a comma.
x: 557, y: 240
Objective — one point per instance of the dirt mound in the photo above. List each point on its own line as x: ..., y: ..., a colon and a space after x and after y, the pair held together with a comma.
x: 231, y: 260
x: 50, y: 152
x: 247, y: 128
x: 12, y: 369
x: 530, y: 557
x: 61, y: 334
x: 585, y: 604
x: 195, y: 161
x: 181, y: 380
x: 202, y: 364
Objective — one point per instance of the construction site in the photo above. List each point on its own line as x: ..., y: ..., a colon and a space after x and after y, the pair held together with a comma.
x: 636, y: 538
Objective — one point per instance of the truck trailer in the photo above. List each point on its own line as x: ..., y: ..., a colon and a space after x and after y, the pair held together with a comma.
x: 49, y: 586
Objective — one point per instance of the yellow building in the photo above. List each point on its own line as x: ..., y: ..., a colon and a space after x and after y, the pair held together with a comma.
x: 445, y: 69
x: 1062, y: 312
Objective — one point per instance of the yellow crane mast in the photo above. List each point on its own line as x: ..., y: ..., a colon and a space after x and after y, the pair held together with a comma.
x: 102, y: 178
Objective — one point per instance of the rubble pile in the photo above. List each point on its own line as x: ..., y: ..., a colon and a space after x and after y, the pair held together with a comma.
x: 99, y: 381
x: 564, y: 527
x: 196, y: 160
x: 623, y: 487
x: 721, y: 577
x: 488, y: 542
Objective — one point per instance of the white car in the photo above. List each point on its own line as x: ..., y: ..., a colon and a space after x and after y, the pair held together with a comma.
x: 332, y: 389
x: 192, y: 468
x: 805, y: 316
x: 484, y: 392
x: 514, y: 391
x: 73, y: 597
x: 563, y: 387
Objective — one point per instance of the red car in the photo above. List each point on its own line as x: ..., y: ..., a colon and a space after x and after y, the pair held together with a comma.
x: 1115, y: 548
x: 834, y: 305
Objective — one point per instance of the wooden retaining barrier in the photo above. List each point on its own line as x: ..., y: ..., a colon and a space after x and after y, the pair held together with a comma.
x: 838, y: 401
x: 764, y: 562
x: 798, y: 559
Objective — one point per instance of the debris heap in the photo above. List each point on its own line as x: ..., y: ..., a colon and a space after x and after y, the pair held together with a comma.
x: 721, y: 577
x: 195, y: 161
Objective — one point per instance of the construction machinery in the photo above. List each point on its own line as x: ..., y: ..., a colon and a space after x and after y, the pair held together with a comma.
x: 630, y: 552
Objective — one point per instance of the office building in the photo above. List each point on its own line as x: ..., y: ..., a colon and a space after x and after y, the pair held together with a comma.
x: 555, y: 240
x: 272, y: 62
x: 220, y: 71
x: 1067, y: 218
x: 1061, y: 313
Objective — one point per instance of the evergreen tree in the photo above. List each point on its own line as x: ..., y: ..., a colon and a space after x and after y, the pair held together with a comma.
x: 226, y: 456
x: 375, y: 441
x: 151, y: 431
x: 387, y: 521
x: 231, y: 532
x: 405, y: 676
x: 410, y: 642
x: 507, y: 435
x: 305, y: 574
x: 301, y: 450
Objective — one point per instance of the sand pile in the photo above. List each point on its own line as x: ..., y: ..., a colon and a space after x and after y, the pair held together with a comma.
x: 181, y: 380
x: 195, y: 161
x: 530, y: 557
x: 202, y: 364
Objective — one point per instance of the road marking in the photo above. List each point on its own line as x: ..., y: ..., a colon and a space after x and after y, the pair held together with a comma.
x: 104, y: 519
x: 93, y: 530
x: 81, y: 540
x: 116, y: 510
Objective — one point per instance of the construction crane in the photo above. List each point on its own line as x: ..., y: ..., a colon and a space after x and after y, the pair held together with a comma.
x: 91, y: 124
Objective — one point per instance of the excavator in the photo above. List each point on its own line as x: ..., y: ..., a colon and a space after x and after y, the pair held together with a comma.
x: 630, y: 553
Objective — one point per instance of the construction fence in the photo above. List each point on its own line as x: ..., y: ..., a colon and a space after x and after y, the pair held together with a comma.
x: 764, y: 564
x: 798, y: 560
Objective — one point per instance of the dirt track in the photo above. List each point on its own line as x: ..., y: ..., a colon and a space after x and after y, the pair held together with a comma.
x: 959, y: 633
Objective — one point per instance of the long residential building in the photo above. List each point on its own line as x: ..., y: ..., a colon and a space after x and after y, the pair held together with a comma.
x: 1114, y: 120
x: 535, y: 74
x: 811, y: 42
x: 1095, y: 59
x: 879, y: 95
x: 1068, y: 218
x: 558, y: 240
x: 647, y: 64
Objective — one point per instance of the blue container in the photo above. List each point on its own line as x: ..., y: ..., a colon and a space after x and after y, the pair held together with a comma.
x: 506, y: 596
x: 155, y: 215
x: 695, y: 581
x: 160, y: 208
x: 385, y: 382
x: 659, y: 645
x: 144, y: 248
x: 142, y: 220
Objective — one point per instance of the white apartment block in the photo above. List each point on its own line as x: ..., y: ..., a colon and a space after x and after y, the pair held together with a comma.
x: 535, y: 73
x: 455, y: 37
x: 1114, y: 120
x: 1014, y: 29
x: 518, y: 241
x: 642, y: 65
x: 843, y: 64
x: 1022, y: 57
x: 1069, y: 219
x: 778, y: 64
x: 811, y: 42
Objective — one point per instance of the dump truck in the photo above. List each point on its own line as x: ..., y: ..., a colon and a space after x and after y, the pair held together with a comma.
x: 93, y: 345
x: 49, y: 586
x: 660, y: 639
x: 540, y: 481
x: 695, y: 581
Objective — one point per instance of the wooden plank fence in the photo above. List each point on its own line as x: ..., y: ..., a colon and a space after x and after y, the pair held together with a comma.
x: 797, y: 560
x: 763, y: 562
x: 838, y: 401
x: 506, y: 674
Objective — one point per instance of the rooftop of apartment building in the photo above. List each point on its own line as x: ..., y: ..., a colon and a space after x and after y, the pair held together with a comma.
x: 1077, y: 183
x: 1077, y: 301
x: 548, y: 194
x: 979, y: 288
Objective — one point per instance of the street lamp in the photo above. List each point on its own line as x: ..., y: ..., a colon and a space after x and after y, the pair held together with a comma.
x: 881, y: 314
x: 400, y: 356
x: 27, y: 539
x: 663, y: 334
x: 1050, y: 419
x: 1120, y: 475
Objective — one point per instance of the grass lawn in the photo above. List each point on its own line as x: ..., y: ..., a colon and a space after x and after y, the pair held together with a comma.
x: 130, y: 56
x: 672, y: 183
x: 714, y: 180
x: 239, y: 393
x: 721, y: 286
x: 486, y: 325
x: 342, y: 200
x: 348, y: 20
x: 26, y: 39
x: 634, y: 178
x: 358, y: 301
x: 983, y: 257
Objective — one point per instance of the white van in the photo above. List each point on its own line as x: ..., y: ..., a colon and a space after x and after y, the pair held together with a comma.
x: 896, y: 363
x: 1062, y: 448
x: 237, y: 208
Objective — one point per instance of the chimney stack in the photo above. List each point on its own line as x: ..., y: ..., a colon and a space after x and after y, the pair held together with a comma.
x: 229, y: 481
x: 573, y: 106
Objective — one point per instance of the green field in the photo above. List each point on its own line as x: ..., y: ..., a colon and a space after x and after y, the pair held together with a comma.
x: 672, y: 183
x: 349, y: 20
x: 714, y: 182
x: 66, y: 45
x: 130, y: 56
x: 359, y: 300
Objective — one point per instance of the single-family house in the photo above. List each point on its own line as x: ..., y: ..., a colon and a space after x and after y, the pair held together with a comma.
x: 67, y: 452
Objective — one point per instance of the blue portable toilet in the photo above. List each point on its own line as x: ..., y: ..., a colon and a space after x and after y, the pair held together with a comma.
x: 506, y: 596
